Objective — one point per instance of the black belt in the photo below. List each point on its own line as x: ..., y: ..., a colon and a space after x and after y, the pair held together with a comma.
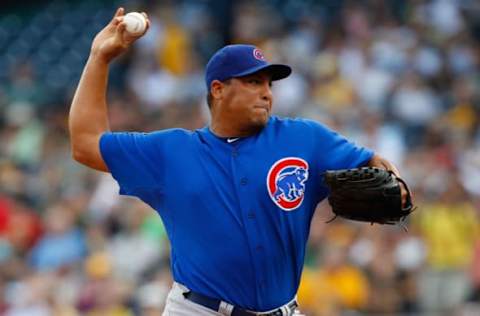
x: 214, y: 304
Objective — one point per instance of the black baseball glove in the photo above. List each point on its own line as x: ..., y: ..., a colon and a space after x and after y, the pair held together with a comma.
x: 367, y: 194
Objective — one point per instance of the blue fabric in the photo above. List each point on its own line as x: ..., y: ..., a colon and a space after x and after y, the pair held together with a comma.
x: 237, y: 214
x: 241, y: 60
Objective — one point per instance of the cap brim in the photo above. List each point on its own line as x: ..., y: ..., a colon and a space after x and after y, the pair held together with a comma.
x: 277, y: 71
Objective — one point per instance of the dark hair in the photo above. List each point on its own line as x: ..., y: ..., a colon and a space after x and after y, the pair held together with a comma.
x: 209, y: 99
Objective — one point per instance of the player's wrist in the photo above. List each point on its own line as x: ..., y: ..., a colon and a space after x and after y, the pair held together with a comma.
x: 100, y: 58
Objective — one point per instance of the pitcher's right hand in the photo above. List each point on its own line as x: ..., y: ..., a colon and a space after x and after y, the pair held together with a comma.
x: 113, y: 40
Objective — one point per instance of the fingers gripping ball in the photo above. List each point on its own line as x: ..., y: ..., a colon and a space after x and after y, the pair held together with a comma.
x: 135, y: 23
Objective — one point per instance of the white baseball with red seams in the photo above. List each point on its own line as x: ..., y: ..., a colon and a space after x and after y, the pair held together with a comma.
x: 135, y: 23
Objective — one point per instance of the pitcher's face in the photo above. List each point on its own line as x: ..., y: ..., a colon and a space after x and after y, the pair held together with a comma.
x: 249, y: 99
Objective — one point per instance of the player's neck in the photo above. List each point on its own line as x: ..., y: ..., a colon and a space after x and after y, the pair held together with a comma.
x: 229, y: 131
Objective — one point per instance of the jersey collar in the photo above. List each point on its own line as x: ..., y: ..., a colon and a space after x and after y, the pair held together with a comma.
x: 206, y: 135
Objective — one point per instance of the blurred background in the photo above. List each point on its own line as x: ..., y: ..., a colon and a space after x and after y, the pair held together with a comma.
x: 401, y: 77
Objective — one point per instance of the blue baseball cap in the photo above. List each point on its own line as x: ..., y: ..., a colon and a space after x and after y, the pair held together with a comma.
x: 241, y: 60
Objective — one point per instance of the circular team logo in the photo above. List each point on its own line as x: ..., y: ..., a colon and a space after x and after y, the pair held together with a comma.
x: 286, y: 182
x: 258, y: 54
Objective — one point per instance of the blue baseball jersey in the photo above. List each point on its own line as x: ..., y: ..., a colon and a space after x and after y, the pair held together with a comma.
x: 237, y: 213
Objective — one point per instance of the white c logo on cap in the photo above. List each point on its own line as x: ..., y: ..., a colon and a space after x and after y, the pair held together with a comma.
x: 258, y: 54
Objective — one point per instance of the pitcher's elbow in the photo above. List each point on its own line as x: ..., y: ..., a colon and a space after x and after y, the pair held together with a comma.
x: 77, y: 155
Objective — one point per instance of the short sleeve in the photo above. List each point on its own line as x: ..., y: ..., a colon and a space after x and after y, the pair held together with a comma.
x: 338, y: 152
x: 134, y: 160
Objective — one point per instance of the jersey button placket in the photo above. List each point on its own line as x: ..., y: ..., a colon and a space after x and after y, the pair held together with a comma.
x: 254, y: 240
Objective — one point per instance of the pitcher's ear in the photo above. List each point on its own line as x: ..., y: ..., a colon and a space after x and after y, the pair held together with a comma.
x: 216, y: 88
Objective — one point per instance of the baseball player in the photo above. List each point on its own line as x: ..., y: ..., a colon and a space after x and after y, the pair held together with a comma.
x: 236, y: 197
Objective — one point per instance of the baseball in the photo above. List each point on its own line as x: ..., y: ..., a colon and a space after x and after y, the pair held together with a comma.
x: 135, y: 23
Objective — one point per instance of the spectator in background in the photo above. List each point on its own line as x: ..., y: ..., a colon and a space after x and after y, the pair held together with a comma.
x: 331, y: 92
x: 450, y: 227
x: 132, y: 238
x: 334, y: 284
x: 27, y: 134
x: 461, y: 118
x: 152, y: 295
x: 63, y: 244
x: 415, y: 106
x: 386, y: 139
x: 24, y: 86
x: 382, y: 274
x: 102, y: 294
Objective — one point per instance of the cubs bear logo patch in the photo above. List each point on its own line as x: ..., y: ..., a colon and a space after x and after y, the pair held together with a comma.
x: 286, y: 182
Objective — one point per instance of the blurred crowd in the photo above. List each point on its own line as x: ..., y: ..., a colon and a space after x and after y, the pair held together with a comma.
x: 400, y: 77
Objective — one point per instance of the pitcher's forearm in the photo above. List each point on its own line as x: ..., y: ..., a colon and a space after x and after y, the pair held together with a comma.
x: 88, y: 118
x: 89, y: 113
